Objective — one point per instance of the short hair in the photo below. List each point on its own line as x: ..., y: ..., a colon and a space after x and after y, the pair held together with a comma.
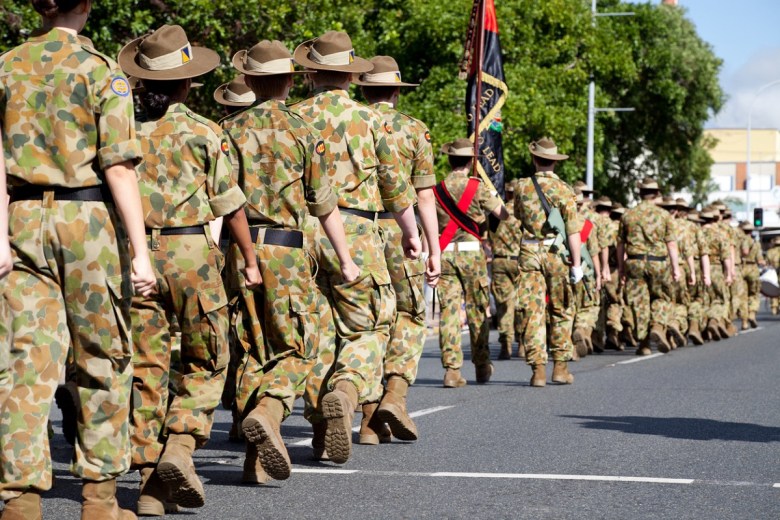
x: 459, y: 161
x: 330, y: 77
x: 541, y: 161
x: 267, y: 87
x: 374, y: 94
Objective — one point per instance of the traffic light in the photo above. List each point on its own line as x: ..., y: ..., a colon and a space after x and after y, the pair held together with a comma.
x: 758, y: 217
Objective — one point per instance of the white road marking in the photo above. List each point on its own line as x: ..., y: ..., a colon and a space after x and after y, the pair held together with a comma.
x: 639, y: 358
x: 751, y: 330
x: 419, y: 413
x: 776, y: 485
x: 543, y: 476
x: 326, y: 471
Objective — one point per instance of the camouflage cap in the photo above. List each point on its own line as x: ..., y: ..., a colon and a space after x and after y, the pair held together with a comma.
x: 386, y: 73
x: 331, y: 51
x: 603, y: 202
x: 235, y: 93
x: 267, y: 58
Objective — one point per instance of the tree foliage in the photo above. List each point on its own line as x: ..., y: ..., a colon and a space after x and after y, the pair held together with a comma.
x: 653, y: 61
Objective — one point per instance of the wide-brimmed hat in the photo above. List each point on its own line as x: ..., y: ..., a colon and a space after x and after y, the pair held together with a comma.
x: 746, y: 226
x: 682, y: 204
x: 693, y: 216
x: 649, y: 184
x: 581, y: 187
x: 267, y: 58
x: 386, y: 73
x: 234, y: 93
x: 166, y: 54
x: 707, y: 215
x: 617, y: 210
x: 460, y: 147
x: 602, y: 202
x: 546, y: 148
x: 668, y: 202
x: 331, y: 51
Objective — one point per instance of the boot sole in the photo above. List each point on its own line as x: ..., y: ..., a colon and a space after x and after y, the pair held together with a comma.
x: 679, y: 338
x: 187, y: 493
x: 338, y: 435
x: 400, y: 423
x: 155, y: 508
x: 271, y: 452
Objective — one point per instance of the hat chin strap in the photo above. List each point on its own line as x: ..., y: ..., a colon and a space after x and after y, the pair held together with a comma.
x: 382, y: 77
x: 337, y: 58
x: 280, y: 66
x: 168, y: 61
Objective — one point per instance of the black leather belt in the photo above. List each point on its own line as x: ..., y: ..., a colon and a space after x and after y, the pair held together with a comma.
x: 506, y: 257
x: 278, y: 237
x: 187, y: 230
x: 649, y: 258
x: 370, y: 215
x: 35, y: 192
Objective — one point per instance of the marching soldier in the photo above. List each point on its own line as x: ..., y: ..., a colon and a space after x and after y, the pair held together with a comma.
x: 547, y: 211
x: 752, y: 262
x: 185, y: 183
x: 70, y: 141
x: 462, y: 202
x: 697, y: 272
x: 505, y: 237
x: 646, y: 237
x: 366, y: 176
x: 718, y: 252
x: 676, y: 332
x: 613, y: 285
x: 773, y: 261
x: 588, y: 299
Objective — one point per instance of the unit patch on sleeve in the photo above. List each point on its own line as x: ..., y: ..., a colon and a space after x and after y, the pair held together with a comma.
x: 120, y: 86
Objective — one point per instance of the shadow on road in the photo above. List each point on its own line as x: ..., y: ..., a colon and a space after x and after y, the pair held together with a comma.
x: 682, y: 428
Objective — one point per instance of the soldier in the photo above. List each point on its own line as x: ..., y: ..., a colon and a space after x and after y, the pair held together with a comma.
x: 699, y: 271
x: 539, y: 199
x: 676, y: 331
x: 234, y: 95
x: 646, y: 237
x: 505, y: 237
x: 67, y: 121
x: 739, y: 290
x: 773, y: 261
x: 614, y: 286
x: 722, y: 233
x: 752, y: 262
x: 607, y: 235
x: 718, y: 251
x: 282, y: 173
x: 185, y: 183
x: 461, y: 204
x: 366, y: 176
x: 381, y: 87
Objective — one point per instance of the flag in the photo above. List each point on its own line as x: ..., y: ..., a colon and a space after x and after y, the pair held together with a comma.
x: 484, y: 55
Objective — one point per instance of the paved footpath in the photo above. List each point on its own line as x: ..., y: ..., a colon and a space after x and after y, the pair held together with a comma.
x: 691, y: 434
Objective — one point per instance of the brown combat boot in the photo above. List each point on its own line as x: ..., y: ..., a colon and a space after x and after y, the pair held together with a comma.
x: 26, y: 506
x: 253, y: 471
x: 262, y: 427
x: 731, y: 329
x: 506, y: 352
x: 629, y: 338
x: 154, y: 497
x: 99, y: 502
x: 484, y: 372
x: 539, y: 376
x: 520, y: 350
x: 177, y: 470
x: 373, y: 430
x: 713, y: 330
x: 679, y: 338
x: 318, y: 441
x: 613, y: 340
x: 694, y: 333
x: 597, y: 341
x: 453, y: 378
x: 745, y: 324
x: 581, y: 339
x: 657, y: 339
x: 338, y: 407
x: 723, y: 330
x: 752, y: 321
x: 561, y: 373
x: 392, y: 409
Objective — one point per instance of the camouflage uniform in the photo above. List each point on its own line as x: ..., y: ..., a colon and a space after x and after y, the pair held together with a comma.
x: 680, y: 293
x: 190, y: 289
x: 464, y: 277
x: 367, y: 179
x: 695, y: 245
x: 407, y: 334
x: 505, y: 244
x: 70, y: 285
x: 739, y: 290
x: 645, y: 231
x: 773, y: 261
x: 547, y: 274
x: 750, y: 274
x: 613, y: 288
x: 587, y: 298
x: 718, y: 252
x: 276, y: 357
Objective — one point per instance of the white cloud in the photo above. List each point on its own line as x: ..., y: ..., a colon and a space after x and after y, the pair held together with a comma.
x: 741, y: 87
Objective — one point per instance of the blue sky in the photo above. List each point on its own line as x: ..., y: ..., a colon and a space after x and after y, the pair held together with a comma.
x: 746, y: 35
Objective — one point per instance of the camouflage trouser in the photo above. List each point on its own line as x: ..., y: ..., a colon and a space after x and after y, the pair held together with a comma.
x: 716, y: 292
x: 587, y: 302
x: 521, y: 313
x: 189, y: 290
x: 6, y: 377
x: 681, y: 300
x: 277, y: 357
x: 362, y: 312
x: 504, y: 285
x: 69, y: 287
x: 750, y: 275
x: 407, y: 334
x: 697, y: 297
x: 739, y: 294
x: 549, y: 324
x: 463, y: 276
x: 648, y: 294
x: 614, y: 302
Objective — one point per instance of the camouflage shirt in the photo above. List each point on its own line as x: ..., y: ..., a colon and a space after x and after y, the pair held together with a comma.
x: 278, y: 166
x: 689, y: 241
x: 530, y: 212
x: 365, y: 170
x: 184, y: 177
x: 753, y: 248
x: 413, y: 144
x: 483, y: 202
x: 506, y: 239
x: 646, y: 229
x: 773, y: 257
x: 737, y: 236
x: 717, y: 244
x: 596, y: 236
x: 66, y: 112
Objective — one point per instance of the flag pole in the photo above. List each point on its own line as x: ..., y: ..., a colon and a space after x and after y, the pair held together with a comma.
x: 478, y: 67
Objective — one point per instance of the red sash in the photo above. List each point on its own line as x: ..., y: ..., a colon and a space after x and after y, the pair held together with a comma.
x: 457, y: 212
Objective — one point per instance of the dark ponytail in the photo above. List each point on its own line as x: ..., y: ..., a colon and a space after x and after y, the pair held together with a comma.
x: 157, y: 96
x: 52, y: 8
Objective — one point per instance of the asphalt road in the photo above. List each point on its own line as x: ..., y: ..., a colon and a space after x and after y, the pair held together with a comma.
x: 691, y: 434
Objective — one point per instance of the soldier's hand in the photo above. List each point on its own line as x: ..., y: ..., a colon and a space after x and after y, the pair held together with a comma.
x: 606, y: 275
x: 598, y: 283
x: 412, y: 247
x: 575, y: 274
x: 350, y: 271
x: 433, y: 270
x: 707, y: 281
x: 676, y: 274
x: 692, y: 279
x: 252, y: 277
x: 142, y: 276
